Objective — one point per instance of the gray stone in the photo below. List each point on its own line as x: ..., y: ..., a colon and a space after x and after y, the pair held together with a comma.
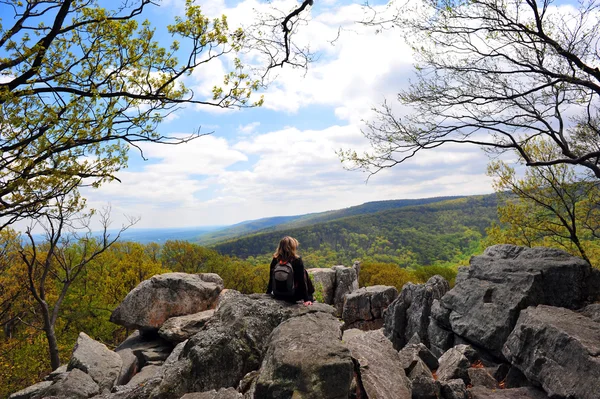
x: 453, y: 364
x: 58, y: 373
x: 212, y: 278
x: 411, y: 352
x: 146, y: 347
x: 364, y: 307
x: 76, y: 385
x: 423, y: 384
x: 231, y: 345
x: 31, y: 391
x: 481, y: 377
x: 130, y: 366
x: 352, y: 332
x: 558, y: 349
x: 515, y: 379
x: 177, y: 329
x: 306, y: 358
x: 95, y: 359
x: 514, y: 393
x: 440, y: 339
x: 161, y: 297
x: 488, y: 296
x: 380, y: 368
x: 346, y: 281
x: 454, y: 389
x: 146, y: 373
x: 324, y: 283
x: 409, y: 314
x: 592, y: 311
x: 223, y: 393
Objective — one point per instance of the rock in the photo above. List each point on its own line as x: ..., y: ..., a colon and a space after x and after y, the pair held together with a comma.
x: 324, y: 283
x: 306, y: 358
x: 409, y: 313
x: 212, y: 278
x: 148, y: 347
x: 440, y: 339
x: 164, y: 296
x: 58, y: 373
x: 346, y: 281
x: 410, y: 353
x: 248, y: 383
x: 31, y: 391
x: 76, y: 385
x: 352, y: 332
x: 95, y: 359
x: 454, y: 364
x: 488, y: 296
x: 364, y: 307
x: 557, y: 349
x: 499, y: 371
x: 453, y: 389
x: 423, y: 384
x: 130, y: 366
x: 592, y: 311
x: 380, y: 368
x: 177, y: 329
x: 515, y: 379
x: 146, y: 373
x: 231, y: 345
x: 223, y: 393
x: 481, y: 377
x: 514, y: 393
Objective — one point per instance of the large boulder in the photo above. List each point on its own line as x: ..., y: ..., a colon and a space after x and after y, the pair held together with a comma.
x: 409, y: 313
x: 381, y: 372
x: 223, y: 393
x: 324, y: 283
x: 485, y: 303
x: 164, y: 296
x: 75, y: 385
x: 557, y: 349
x: 346, y: 281
x: 364, y: 307
x: 95, y: 359
x: 306, y: 359
x: 178, y: 329
x: 231, y: 345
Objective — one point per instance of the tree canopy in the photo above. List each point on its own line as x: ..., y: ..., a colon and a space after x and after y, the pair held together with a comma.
x: 80, y: 84
x: 495, y: 74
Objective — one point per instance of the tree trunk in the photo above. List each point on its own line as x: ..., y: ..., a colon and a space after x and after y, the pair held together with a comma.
x: 51, y: 337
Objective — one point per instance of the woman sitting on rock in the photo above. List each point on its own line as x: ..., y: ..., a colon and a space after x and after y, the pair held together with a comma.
x: 288, y: 280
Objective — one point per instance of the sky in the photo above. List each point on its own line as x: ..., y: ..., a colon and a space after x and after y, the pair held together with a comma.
x: 280, y: 159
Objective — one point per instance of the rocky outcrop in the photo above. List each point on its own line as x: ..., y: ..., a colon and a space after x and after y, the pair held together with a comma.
x: 346, y: 281
x: 178, y: 329
x: 379, y: 367
x: 409, y: 313
x: 484, y: 306
x: 324, y: 283
x: 558, y: 349
x: 223, y: 393
x: 31, y: 391
x: 97, y: 361
x: 306, y: 358
x: 164, y: 296
x: 515, y: 393
x: 364, y: 307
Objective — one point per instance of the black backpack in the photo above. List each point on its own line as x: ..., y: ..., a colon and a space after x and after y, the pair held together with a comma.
x: 283, y: 280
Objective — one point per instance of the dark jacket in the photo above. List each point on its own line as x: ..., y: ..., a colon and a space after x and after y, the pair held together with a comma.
x: 303, y: 286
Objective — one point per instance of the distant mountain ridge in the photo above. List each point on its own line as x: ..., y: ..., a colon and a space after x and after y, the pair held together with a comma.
x: 438, y: 231
x: 279, y: 223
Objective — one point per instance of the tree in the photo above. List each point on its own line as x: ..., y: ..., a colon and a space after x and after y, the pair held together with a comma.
x: 496, y: 74
x: 52, y: 267
x: 551, y: 205
x: 81, y: 84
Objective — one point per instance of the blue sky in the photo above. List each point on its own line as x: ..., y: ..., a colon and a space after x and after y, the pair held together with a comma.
x: 280, y: 159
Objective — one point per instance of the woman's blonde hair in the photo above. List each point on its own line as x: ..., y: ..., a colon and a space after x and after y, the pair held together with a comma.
x: 287, y: 249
